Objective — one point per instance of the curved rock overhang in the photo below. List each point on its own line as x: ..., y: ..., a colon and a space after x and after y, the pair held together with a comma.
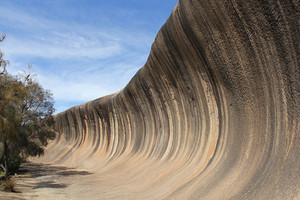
x: 213, y: 114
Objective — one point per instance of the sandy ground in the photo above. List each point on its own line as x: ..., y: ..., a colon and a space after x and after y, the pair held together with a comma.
x: 41, y: 181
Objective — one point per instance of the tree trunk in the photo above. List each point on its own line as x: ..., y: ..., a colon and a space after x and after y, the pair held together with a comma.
x: 5, y: 168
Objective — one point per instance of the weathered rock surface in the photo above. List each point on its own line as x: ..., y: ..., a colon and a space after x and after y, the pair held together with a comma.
x: 213, y: 114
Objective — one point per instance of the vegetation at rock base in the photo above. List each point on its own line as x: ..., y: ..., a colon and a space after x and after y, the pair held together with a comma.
x: 25, y: 118
x: 9, y: 185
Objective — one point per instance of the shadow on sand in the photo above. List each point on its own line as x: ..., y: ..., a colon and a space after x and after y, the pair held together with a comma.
x: 48, y: 174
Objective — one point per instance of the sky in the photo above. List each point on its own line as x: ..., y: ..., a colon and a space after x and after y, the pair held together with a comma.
x: 80, y: 49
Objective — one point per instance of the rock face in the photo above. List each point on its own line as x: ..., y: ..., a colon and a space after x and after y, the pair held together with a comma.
x: 213, y: 114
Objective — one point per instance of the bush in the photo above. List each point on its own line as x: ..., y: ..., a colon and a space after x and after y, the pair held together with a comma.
x: 14, y: 162
x: 9, y: 185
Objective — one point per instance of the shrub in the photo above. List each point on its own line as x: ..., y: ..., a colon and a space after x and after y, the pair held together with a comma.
x: 14, y: 162
x: 9, y: 185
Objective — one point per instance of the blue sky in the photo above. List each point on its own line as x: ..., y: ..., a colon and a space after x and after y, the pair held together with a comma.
x: 80, y: 49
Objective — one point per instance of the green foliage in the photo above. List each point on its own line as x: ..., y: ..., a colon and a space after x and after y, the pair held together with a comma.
x: 25, y: 119
x: 14, y: 161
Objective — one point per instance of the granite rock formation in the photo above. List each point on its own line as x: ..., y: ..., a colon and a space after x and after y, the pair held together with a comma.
x: 213, y: 114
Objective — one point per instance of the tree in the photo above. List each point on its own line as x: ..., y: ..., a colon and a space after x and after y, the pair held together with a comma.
x: 25, y: 120
x: 3, y: 62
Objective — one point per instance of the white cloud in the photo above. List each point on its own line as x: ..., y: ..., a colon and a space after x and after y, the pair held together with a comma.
x: 77, y: 62
x: 60, y: 48
x: 75, y: 89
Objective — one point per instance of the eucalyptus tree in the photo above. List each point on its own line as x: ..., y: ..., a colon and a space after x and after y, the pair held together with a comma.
x: 25, y: 119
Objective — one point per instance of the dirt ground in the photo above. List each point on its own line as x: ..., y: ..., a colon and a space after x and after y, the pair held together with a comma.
x: 41, y: 181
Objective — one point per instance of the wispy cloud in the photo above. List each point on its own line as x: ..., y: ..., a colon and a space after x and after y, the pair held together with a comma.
x: 41, y: 37
x: 57, y: 47
x: 79, y: 56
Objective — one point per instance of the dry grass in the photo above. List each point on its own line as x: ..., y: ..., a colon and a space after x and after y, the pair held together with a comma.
x: 9, y: 185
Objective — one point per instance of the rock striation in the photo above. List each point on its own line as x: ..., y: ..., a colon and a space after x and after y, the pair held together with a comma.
x: 213, y: 114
